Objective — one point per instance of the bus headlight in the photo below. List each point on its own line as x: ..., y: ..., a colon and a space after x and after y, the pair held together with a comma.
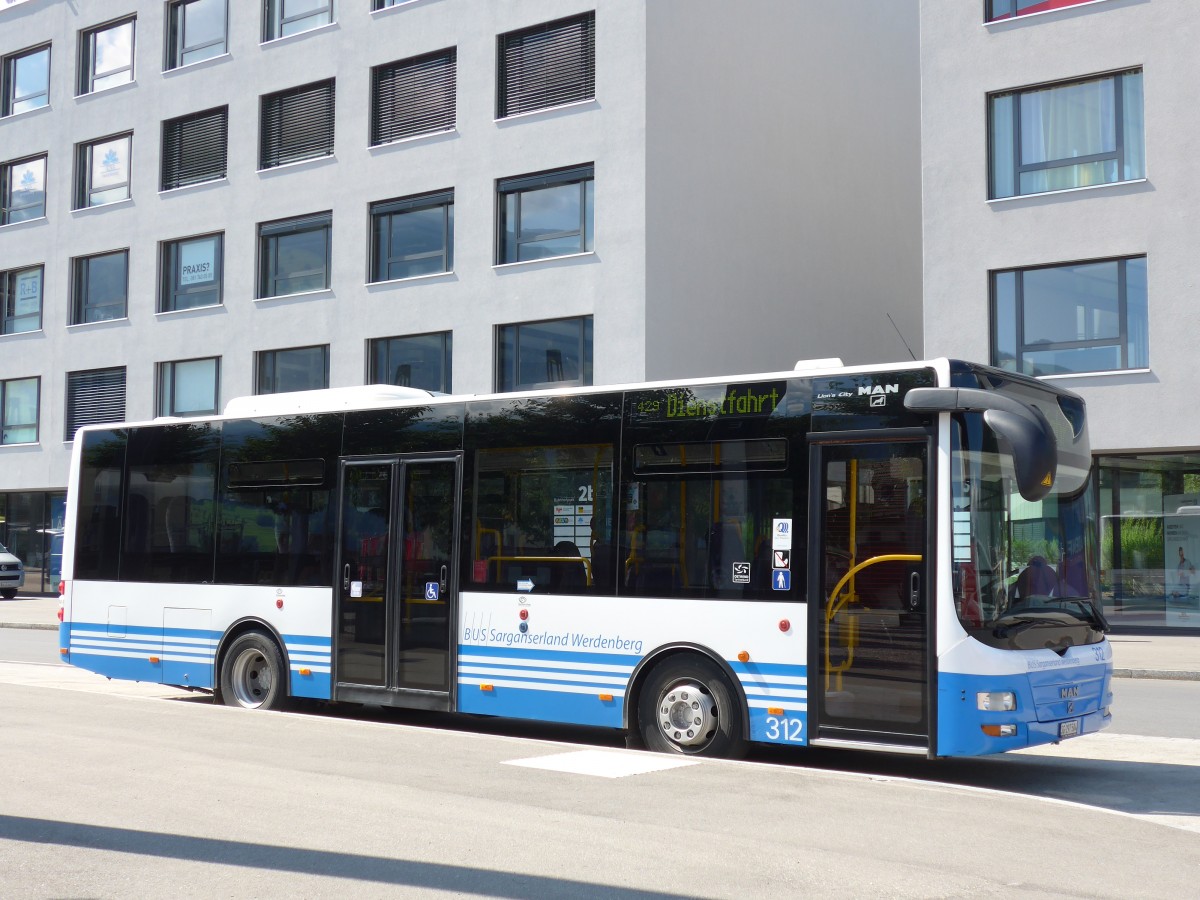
x: 996, y: 701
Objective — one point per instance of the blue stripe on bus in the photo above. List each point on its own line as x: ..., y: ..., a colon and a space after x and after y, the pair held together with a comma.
x: 541, y: 705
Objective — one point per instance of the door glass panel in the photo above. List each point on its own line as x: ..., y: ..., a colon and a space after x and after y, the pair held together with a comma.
x: 426, y: 575
x: 873, y: 644
x: 366, y: 521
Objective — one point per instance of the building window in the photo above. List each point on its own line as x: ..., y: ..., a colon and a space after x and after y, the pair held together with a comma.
x: 23, y: 186
x: 106, y: 56
x: 547, y: 65
x: 293, y: 255
x: 195, y: 148
x: 102, y: 171
x: 386, y: 4
x: 95, y: 397
x: 19, y: 411
x: 296, y: 124
x: 418, y: 361
x: 535, y: 355
x: 21, y: 299
x: 101, y: 287
x: 1063, y: 136
x: 550, y: 214
x: 191, y: 273
x: 296, y: 369
x: 1061, y: 320
x: 1007, y: 9
x: 413, y: 236
x: 189, y: 387
x: 414, y: 96
x: 196, y: 31
x: 26, y: 81
x: 285, y: 17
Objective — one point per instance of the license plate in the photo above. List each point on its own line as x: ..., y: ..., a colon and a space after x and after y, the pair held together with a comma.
x: 1068, y: 729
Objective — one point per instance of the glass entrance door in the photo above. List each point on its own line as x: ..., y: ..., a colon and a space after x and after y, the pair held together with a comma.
x: 397, y: 571
x: 872, y: 623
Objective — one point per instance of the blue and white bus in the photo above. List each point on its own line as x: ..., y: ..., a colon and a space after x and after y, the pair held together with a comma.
x: 898, y: 558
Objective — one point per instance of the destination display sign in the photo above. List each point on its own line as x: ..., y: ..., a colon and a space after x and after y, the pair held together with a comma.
x: 711, y: 402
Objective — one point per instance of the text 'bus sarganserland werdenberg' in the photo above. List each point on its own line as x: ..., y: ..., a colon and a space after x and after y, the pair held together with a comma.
x: 899, y: 558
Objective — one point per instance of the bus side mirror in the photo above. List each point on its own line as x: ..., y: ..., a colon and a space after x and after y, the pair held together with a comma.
x: 1022, y: 430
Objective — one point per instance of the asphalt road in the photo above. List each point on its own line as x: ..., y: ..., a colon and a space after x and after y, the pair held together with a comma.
x: 115, y: 789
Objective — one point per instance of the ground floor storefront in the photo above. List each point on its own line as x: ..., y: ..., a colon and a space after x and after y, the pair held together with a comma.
x: 31, y: 527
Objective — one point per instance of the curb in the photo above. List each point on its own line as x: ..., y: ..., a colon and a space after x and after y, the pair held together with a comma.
x: 29, y: 626
x: 1161, y: 674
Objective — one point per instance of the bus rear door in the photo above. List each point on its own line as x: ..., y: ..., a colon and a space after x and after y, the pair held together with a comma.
x: 395, y: 581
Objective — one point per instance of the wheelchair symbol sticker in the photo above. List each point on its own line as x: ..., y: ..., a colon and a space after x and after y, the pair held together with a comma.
x: 431, y: 590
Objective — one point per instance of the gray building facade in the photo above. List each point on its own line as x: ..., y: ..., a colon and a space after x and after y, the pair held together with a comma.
x: 205, y: 199
x: 1060, y: 220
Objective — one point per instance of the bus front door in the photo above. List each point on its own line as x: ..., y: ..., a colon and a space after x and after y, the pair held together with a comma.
x: 872, y: 621
x: 396, y: 581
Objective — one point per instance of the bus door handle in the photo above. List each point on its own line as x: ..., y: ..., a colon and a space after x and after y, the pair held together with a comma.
x: 346, y: 577
x: 442, y: 580
x: 914, y: 590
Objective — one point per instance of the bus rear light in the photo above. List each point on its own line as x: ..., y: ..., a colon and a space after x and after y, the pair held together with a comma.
x: 61, y: 614
x: 999, y: 730
x: 62, y: 589
x: 485, y: 687
x: 774, y: 710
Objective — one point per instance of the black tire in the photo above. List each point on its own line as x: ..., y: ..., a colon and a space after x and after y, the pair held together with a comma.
x: 9, y: 593
x: 688, y: 706
x: 252, y: 673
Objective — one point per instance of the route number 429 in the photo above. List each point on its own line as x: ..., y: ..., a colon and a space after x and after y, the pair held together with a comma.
x: 784, y: 729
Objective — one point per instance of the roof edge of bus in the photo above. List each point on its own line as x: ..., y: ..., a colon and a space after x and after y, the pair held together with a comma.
x: 324, y: 400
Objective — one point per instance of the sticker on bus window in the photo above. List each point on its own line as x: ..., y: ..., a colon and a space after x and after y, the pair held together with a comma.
x: 781, y: 534
x: 741, y: 573
x: 356, y: 589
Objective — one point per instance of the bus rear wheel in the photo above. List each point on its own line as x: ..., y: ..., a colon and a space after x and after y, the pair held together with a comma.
x: 252, y: 673
x: 688, y: 706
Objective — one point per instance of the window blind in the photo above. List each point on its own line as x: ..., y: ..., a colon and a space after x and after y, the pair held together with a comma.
x: 195, y: 148
x: 297, y: 124
x: 94, y: 397
x: 547, y: 65
x: 414, y: 96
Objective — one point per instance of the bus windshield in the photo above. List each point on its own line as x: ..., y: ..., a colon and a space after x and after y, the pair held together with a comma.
x: 1025, y: 572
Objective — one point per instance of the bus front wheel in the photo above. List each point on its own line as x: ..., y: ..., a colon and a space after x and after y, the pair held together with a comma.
x: 252, y: 673
x: 688, y: 706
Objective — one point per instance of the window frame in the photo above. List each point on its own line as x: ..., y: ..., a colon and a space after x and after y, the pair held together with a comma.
x: 374, y: 362
x: 168, y: 383
x: 387, y: 211
x: 6, y: 426
x: 518, y: 186
x: 275, y: 20
x: 261, y: 358
x: 73, y: 416
x: 990, y: 15
x: 175, y: 32
x: 1118, y: 155
x: 9, y: 99
x: 506, y: 369
x: 564, y: 91
x: 85, y: 190
x: 177, y: 142
x: 435, y: 73
x: 268, y: 235
x: 1023, y: 346
x: 87, y: 56
x: 6, y: 190
x: 9, y: 298
x: 81, y: 288
x: 170, y: 291
x: 320, y: 114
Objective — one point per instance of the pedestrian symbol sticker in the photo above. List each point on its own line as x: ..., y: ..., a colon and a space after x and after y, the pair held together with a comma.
x: 782, y: 559
x: 741, y: 573
x: 431, y: 590
x: 781, y: 580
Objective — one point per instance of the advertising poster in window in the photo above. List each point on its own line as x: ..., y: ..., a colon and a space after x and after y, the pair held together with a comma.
x: 29, y: 293
x: 110, y: 163
x: 197, y: 262
x: 1181, y: 559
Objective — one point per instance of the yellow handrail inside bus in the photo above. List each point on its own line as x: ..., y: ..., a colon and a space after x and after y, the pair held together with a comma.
x: 835, y: 606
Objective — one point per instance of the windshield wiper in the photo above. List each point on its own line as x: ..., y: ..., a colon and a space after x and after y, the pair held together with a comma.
x: 1090, y: 611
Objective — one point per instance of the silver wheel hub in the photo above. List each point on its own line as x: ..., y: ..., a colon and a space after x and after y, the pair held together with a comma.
x: 252, y: 679
x: 686, y: 714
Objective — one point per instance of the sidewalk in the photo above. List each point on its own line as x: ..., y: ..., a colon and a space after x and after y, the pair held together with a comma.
x: 1174, y: 657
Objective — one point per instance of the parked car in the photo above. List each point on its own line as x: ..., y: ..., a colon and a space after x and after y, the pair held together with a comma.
x: 12, y: 574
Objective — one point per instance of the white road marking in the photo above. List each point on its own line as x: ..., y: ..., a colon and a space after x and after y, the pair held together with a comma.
x: 604, y: 763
